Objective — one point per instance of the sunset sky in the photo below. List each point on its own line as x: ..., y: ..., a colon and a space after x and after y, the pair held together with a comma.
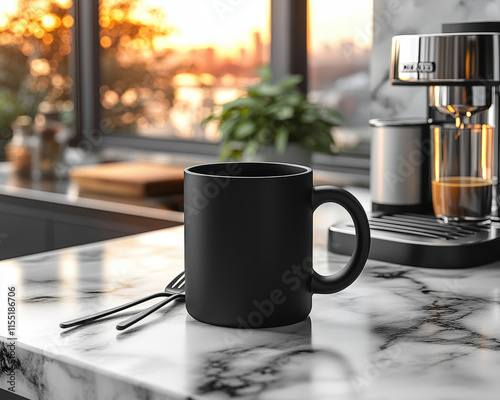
x: 218, y: 23
x: 229, y: 25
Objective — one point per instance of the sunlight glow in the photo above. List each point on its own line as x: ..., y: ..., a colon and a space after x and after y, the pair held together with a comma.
x: 8, y: 7
x: 209, y: 26
x: 51, y: 22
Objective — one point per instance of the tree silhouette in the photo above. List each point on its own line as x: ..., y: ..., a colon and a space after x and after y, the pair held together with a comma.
x: 36, y: 40
x: 130, y: 55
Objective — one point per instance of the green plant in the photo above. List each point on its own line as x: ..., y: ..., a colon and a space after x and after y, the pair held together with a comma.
x: 273, y: 113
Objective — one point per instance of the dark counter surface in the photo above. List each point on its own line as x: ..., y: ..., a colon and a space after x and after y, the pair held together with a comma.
x: 63, y: 191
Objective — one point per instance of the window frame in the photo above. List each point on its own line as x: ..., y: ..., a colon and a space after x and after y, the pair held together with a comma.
x: 288, y: 56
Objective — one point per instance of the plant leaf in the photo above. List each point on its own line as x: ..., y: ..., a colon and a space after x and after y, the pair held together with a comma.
x: 227, y: 127
x: 334, y: 113
x: 207, y: 120
x: 308, y: 116
x: 244, y: 129
x: 332, y: 117
x: 281, y: 139
x: 266, y: 90
x: 284, y: 112
x: 264, y: 135
x: 251, y: 148
x: 265, y: 73
x: 290, y: 82
x: 294, y: 99
x: 225, y: 151
x: 242, y: 102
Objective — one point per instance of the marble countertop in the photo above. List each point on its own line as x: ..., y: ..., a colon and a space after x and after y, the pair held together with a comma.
x: 398, y: 332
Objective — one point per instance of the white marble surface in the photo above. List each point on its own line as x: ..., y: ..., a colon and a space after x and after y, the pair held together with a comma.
x: 397, y: 333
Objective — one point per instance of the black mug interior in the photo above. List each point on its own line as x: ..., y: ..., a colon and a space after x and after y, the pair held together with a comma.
x: 250, y: 169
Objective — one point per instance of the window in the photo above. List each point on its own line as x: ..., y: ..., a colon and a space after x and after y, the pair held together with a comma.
x: 148, y: 71
x: 35, y: 45
x: 339, y: 44
x: 164, y: 64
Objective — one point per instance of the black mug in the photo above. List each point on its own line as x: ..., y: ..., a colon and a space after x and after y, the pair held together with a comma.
x: 248, y: 243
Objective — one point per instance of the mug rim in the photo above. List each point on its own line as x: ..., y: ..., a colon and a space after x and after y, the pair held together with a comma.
x: 300, y: 169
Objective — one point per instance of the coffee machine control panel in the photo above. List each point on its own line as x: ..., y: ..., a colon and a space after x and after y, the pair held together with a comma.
x: 433, y: 59
x: 420, y: 66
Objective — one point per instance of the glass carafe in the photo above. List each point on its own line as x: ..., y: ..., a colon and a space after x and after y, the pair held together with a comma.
x: 462, y: 167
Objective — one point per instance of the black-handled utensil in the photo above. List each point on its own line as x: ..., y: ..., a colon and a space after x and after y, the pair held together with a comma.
x: 137, y: 317
x: 175, y: 288
x: 168, y: 292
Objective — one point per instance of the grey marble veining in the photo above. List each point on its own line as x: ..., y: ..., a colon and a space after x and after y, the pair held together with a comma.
x: 397, y: 333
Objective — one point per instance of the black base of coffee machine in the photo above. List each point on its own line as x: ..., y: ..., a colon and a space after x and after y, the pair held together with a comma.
x: 421, y: 240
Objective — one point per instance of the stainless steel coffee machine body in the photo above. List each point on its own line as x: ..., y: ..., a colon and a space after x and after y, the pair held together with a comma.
x: 462, y: 73
x: 399, y: 165
x: 461, y: 68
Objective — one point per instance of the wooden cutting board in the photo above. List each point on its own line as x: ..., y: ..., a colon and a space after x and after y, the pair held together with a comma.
x: 133, y: 179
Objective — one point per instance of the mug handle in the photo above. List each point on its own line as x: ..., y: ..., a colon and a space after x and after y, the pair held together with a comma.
x: 346, y: 276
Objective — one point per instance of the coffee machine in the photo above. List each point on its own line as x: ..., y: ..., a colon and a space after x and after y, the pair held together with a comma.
x: 460, y: 68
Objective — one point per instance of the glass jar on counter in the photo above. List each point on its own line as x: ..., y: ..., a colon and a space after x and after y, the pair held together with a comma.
x: 18, y: 150
x: 47, y: 146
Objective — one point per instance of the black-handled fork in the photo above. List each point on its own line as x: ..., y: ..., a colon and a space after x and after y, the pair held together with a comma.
x: 170, y: 291
x: 177, y: 292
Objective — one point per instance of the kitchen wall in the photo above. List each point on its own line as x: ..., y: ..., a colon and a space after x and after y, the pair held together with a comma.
x: 399, y: 17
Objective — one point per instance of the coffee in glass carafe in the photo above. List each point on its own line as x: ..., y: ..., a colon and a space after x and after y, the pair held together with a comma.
x: 462, y: 166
